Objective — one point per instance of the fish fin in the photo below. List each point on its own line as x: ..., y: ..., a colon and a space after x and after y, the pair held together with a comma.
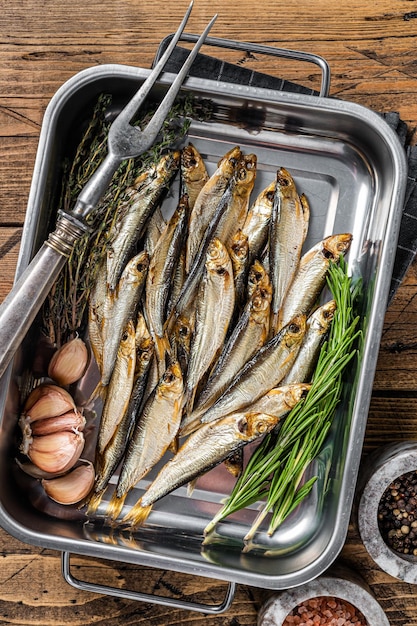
x: 234, y: 463
x: 174, y: 445
x: 137, y: 515
x: 191, y: 486
x: 188, y: 426
x: 188, y: 400
x: 115, y: 507
x: 98, y: 393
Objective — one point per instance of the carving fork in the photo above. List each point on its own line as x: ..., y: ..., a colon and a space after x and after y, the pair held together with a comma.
x: 125, y: 141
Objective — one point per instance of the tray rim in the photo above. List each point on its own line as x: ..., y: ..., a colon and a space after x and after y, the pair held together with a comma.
x: 371, y: 349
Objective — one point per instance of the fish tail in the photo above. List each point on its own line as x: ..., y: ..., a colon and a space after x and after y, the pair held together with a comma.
x: 137, y: 515
x: 115, y: 506
x: 99, y: 392
x: 94, y: 503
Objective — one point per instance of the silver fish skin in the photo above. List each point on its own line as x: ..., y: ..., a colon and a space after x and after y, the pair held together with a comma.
x: 203, y: 450
x: 194, y: 173
x: 160, y: 275
x: 248, y: 336
x: 120, y: 387
x: 207, y: 202
x: 306, y: 213
x: 286, y: 238
x: 180, y: 341
x: 96, y: 302
x: 256, y: 225
x: 264, y: 371
x: 258, y: 278
x: 235, y: 213
x: 215, y: 305
x: 155, y: 430
x: 239, y: 254
x: 154, y: 229
x: 109, y: 459
x: 120, y: 306
x: 318, y: 326
x: 280, y: 400
x: 141, y: 200
x: 311, y: 276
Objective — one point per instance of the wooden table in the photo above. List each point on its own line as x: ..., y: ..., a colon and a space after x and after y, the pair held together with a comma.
x: 371, y: 50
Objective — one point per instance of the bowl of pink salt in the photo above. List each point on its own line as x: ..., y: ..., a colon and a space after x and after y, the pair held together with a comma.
x: 337, y: 598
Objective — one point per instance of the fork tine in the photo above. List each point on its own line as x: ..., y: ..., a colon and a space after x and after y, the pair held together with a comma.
x: 154, y: 125
x: 126, y: 141
x: 133, y: 105
x: 131, y: 108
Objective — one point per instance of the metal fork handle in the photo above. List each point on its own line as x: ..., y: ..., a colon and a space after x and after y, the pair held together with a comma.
x: 19, y: 309
x: 21, y: 305
x: 212, y: 609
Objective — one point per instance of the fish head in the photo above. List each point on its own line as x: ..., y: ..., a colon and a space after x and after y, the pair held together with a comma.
x: 322, y: 317
x: 127, y: 342
x: 137, y: 267
x: 229, y: 161
x: 258, y: 277
x: 267, y: 196
x: 193, y: 168
x: 183, y: 331
x: 245, y: 174
x: 217, y: 257
x: 285, y: 183
x: 294, y: 393
x: 239, y: 246
x: 254, y: 425
x: 261, y: 299
x: 294, y: 331
x: 172, y: 381
x: 335, y: 246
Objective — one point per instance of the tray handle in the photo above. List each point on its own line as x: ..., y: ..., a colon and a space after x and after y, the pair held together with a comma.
x: 246, y: 46
x: 212, y: 609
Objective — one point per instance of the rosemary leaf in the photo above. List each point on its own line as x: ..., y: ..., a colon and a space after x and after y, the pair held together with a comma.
x: 278, y: 465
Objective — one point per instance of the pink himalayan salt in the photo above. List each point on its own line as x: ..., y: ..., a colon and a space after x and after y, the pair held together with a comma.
x: 325, y: 611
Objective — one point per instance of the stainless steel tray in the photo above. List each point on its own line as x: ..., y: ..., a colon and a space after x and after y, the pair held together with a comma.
x: 353, y: 170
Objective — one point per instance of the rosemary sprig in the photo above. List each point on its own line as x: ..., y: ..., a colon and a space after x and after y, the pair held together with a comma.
x: 276, y: 469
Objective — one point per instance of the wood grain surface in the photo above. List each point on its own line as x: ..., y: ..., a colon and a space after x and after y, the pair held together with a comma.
x: 371, y: 49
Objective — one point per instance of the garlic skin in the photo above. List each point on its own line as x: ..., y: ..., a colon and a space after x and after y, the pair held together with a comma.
x: 57, y: 452
x: 73, y: 487
x: 69, y: 362
x: 72, y: 420
x: 47, y: 400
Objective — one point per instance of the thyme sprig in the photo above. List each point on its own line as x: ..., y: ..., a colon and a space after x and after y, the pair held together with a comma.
x: 276, y: 470
x: 64, y: 310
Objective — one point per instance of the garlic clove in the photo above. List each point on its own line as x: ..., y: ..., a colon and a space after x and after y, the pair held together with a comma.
x: 47, y: 400
x: 73, y: 487
x: 57, y: 452
x: 69, y: 362
x: 72, y: 421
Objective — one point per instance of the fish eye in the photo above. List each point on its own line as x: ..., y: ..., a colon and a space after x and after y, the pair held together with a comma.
x: 183, y: 331
x: 270, y: 195
x: 141, y: 267
x: 294, y: 328
x: 221, y: 271
x: 242, y: 425
x: 168, y: 377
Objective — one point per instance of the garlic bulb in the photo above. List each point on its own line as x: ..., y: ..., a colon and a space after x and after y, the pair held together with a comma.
x: 47, y: 400
x: 69, y: 362
x: 57, y: 452
x: 73, y: 487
